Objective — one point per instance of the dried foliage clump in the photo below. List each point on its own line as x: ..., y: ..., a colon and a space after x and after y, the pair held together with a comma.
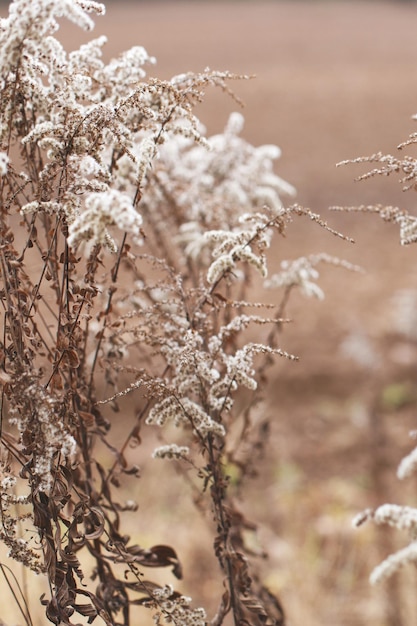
x: 387, y: 165
x: 403, y: 518
x: 128, y: 243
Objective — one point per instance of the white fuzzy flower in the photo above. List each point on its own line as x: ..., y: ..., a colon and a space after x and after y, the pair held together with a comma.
x: 87, y: 166
x: 126, y: 72
x: 8, y: 483
x: 299, y: 272
x: 394, y: 562
x: 302, y: 273
x: 104, y: 209
x: 408, y: 465
x: 184, y: 412
x: 147, y: 153
x: 52, y: 208
x: 245, y: 244
x: 220, y: 267
x: 4, y: 162
x: 177, y: 609
x: 401, y: 517
x: 235, y: 124
x: 408, y: 229
x: 212, y: 186
x: 171, y: 451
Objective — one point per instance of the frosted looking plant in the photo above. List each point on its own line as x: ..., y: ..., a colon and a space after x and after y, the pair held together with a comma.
x: 403, y: 518
x: 128, y: 241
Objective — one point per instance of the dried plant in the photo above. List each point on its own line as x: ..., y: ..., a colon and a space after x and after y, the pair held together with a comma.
x: 406, y: 167
x: 403, y: 518
x: 128, y: 245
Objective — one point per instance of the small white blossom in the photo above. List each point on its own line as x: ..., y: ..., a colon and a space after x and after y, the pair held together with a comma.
x: 235, y: 124
x: 147, y: 153
x: 163, y: 593
x: 87, y: 166
x: 51, y: 436
x: 176, y: 609
x: 408, y: 465
x: 299, y: 272
x: 401, y: 517
x: 209, y: 185
x: 126, y: 72
x: 8, y: 483
x: 184, y: 412
x: 302, y: 273
x: 220, y: 267
x: 104, y: 209
x: 171, y: 451
x: 4, y: 162
x: 394, y: 562
x: 232, y: 247
x: 52, y: 208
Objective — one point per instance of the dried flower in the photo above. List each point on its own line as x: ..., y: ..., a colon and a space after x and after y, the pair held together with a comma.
x: 104, y: 209
x: 302, y: 273
x: 408, y: 465
x: 174, y: 609
x: 171, y: 451
x: 4, y: 162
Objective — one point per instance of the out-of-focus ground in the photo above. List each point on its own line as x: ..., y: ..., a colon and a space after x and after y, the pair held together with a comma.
x: 333, y: 81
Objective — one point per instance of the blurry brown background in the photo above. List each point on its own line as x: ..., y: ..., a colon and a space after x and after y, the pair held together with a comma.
x: 334, y: 80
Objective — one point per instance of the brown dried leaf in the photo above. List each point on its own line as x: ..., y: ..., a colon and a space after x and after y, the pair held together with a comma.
x: 96, y: 520
x: 88, y: 419
x: 72, y: 358
x: 167, y: 556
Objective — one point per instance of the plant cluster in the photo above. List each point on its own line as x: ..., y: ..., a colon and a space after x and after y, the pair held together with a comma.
x: 128, y: 244
x: 401, y: 517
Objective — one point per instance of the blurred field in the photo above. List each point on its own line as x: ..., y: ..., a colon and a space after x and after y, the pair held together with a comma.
x: 333, y: 81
